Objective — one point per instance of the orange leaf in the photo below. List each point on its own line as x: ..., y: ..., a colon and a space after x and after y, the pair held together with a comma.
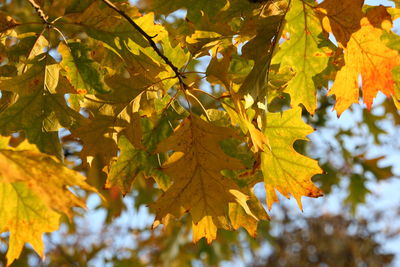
x: 370, y: 58
x: 365, y: 53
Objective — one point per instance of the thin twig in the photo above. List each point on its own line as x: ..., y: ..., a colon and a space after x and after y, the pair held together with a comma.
x: 149, y: 39
x: 213, y: 97
x: 40, y: 12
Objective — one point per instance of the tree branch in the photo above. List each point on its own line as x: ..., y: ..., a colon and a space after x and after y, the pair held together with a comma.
x: 40, y: 12
x: 149, y: 39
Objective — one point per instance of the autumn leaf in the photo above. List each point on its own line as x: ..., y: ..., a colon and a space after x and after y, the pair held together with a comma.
x: 36, y: 188
x: 40, y: 109
x: 357, y: 191
x: 132, y: 163
x: 256, y: 81
x: 307, y: 51
x: 284, y: 169
x: 365, y: 54
x: 83, y: 74
x: 26, y: 217
x: 341, y: 17
x: 198, y: 185
x: 240, y: 218
x: 240, y: 116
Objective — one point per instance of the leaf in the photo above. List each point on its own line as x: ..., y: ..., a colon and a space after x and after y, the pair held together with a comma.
x: 380, y: 173
x: 35, y: 185
x: 131, y: 163
x: 258, y: 49
x: 40, y: 110
x: 284, y: 169
x: 258, y: 139
x: 357, y: 191
x: 342, y: 18
x: 372, y: 122
x: 98, y: 137
x: 120, y: 38
x: 80, y: 70
x: 198, y: 185
x: 26, y: 217
x: 306, y: 51
x: 366, y: 55
x: 240, y: 218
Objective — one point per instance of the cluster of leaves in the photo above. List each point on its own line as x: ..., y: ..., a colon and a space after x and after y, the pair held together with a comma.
x: 128, y: 99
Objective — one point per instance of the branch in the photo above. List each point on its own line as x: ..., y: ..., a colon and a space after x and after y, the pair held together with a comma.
x: 149, y: 39
x: 40, y: 12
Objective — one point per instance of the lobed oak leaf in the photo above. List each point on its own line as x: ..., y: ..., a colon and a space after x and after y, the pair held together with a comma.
x: 365, y: 53
x: 82, y: 72
x: 40, y: 109
x: 198, y: 185
x: 131, y: 163
x: 240, y: 218
x: 256, y: 81
x: 36, y: 188
x: 306, y: 52
x: 284, y: 169
x: 341, y: 17
x: 26, y: 217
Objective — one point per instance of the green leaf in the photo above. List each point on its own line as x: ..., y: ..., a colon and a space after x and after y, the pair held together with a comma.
x: 357, y: 191
x: 131, y: 163
x: 284, y: 169
x: 306, y: 51
x: 257, y: 49
x: 39, y: 111
x: 82, y: 72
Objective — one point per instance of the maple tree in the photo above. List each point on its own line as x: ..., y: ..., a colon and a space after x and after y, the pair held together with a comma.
x: 195, y: 109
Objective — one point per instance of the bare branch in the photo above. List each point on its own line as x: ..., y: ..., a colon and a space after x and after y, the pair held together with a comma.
x: 149, y: 40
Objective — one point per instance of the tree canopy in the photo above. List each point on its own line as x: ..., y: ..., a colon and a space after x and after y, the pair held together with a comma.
x: 186, y: 105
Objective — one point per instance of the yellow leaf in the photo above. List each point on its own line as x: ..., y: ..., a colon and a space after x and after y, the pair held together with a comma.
x: 284, y: 169
x: 198, y: 185
x: 26, y: 217
x: 45, y: 176
x: 33, y: 191
x: 239, y: 217
x: 258, y: 139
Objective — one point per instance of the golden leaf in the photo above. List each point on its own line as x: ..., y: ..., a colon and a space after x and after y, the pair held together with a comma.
x: 198, y: 185
x: 283, y: 167
x: 35, y: 186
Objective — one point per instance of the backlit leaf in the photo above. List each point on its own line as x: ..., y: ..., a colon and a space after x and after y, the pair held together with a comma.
x: 35, y: 186
x: 365, y: 54
x: 198, y: 186
x: 306, y: 51
x: 284, y: 169
x: 80, y: 70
